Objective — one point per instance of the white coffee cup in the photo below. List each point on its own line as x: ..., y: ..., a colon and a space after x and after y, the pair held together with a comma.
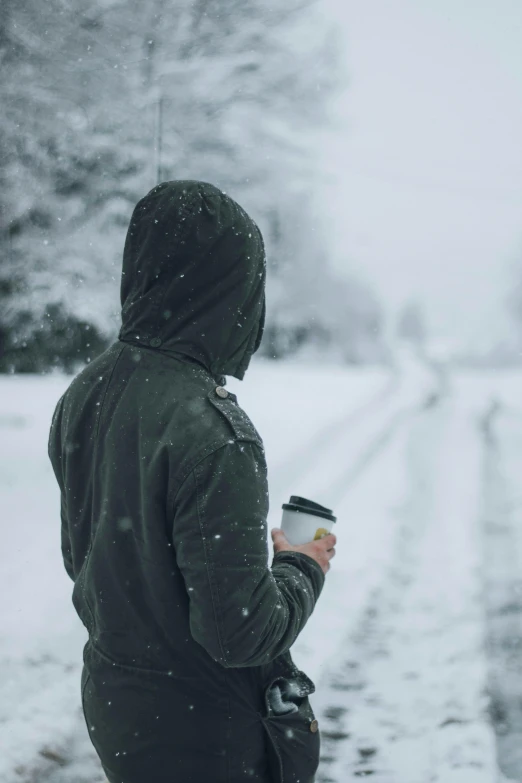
x: 304, y: 521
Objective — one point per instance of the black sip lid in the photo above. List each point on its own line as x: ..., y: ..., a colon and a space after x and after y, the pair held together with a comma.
x: 309, y: 507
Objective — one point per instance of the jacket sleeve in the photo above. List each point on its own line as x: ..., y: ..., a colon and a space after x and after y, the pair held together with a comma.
x: 241, y: 611
x: 65, y: 538
x: 54, y: 450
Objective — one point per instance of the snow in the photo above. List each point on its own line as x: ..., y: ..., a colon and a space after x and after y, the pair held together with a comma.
x: 419, y: 630
x: 424, y: 480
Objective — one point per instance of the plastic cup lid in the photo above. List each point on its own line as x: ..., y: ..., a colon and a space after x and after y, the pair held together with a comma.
x: 305, y: 506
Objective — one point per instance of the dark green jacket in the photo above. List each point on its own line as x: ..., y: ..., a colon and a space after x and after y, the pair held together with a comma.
x: 164, y: 514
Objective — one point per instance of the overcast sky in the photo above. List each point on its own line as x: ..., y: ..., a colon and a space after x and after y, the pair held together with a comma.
x: 429, y: 200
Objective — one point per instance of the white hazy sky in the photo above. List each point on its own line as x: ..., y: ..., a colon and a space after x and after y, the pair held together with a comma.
x: 429, y: 201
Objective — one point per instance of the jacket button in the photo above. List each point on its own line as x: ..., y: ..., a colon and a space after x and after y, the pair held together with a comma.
x: 221, y: 392
x: 314, y: 726
x: 155, y: 342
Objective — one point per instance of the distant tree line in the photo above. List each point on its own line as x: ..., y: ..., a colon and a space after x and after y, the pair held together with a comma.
x: 101, y: 101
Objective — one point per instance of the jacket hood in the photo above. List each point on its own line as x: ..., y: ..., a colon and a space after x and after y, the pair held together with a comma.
x: 193, y: 277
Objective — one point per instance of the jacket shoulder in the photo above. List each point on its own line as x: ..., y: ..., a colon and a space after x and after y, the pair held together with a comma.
x: 230, y: 412
x: 210, y: 422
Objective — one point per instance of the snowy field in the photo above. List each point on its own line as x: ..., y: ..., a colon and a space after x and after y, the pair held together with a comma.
x: 415, y: 645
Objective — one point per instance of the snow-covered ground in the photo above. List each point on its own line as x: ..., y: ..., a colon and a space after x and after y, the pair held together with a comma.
x: 413, y: 644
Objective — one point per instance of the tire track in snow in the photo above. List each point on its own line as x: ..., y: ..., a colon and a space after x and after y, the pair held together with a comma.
x: 406, y: 704
x: 338, y: 489
x: 349, y: 447
x: 502, y: 570
x: 374, y: 447
x: 288, y: 472
x: 349, y: 682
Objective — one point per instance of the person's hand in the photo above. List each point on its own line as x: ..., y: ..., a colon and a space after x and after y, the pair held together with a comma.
x: 321, y: 550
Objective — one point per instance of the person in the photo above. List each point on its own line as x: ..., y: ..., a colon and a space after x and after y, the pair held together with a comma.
x: 164, y: 505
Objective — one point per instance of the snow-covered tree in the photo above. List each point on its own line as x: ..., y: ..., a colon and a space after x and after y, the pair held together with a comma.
x: 102, y: 101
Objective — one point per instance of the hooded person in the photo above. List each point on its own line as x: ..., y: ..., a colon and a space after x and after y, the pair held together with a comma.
x: 164, y: 504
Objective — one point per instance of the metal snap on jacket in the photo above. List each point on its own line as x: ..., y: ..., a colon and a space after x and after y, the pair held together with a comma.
x: 221, y: 392
x: 155, y: 342
x: 314, y: 726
